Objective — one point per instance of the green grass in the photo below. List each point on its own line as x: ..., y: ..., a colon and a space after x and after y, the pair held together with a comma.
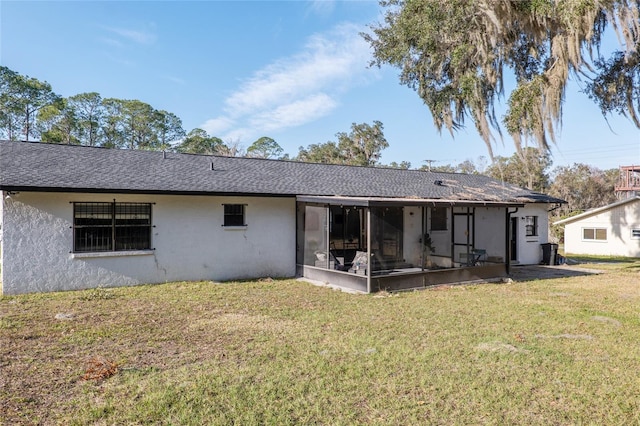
x: 561, y: 351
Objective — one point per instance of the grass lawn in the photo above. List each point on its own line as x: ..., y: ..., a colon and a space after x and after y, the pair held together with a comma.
x: 561, y: 351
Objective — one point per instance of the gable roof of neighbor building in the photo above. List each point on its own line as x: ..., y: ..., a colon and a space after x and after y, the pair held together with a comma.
x: 596, y: 211
x: 33, y: 166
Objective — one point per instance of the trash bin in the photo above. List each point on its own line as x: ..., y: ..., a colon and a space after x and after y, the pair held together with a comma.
x: 549, y: 252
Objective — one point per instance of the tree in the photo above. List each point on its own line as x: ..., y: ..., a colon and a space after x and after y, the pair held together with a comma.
x: 113, y: 131
x: 90, y: 115
x: 583, y: 187
x: 198, y: 141
x: 20, y: 100
x: 362, y: 146
x: 265, y: 147
x: 232, y: 148
x: 327, y: 153
x: 135, y: 124
x: 456, y: 53
x: 58, y: 123
x: 139, y: 120
x: 9, y: 113
x: 168, y: 128
x: 404, y: 165
x: 528, y: 168
x: 617, y: 86
x: 467, y: 166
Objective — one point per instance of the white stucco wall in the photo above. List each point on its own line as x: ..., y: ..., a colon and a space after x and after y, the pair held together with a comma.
x: 188, y: 237
x: 491, y: 231
x: 412, y: 245
x: 529, y: 251
x: 618, y: 221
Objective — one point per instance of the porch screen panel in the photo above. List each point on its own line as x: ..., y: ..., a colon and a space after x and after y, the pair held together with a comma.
x: 386, y: 237
x: 316, y: 246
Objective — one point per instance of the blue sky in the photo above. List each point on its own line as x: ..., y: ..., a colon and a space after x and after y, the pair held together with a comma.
x: 296, y: 71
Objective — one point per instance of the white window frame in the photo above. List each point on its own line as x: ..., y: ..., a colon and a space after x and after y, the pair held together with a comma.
x: 227, y: 222
x: 531, y: 226
x: 595, y: 230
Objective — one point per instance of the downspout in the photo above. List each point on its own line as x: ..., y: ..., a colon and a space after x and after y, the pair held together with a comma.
x: 506, y: 238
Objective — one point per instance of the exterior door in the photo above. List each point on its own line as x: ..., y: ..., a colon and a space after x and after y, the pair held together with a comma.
x: 513, y: 239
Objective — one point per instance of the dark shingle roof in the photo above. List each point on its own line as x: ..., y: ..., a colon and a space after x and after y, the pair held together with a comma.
x: 38, y: 166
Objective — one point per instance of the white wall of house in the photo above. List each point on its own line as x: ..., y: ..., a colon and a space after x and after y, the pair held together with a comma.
x: 529, y: 251
x: 188, y: 237
x: 412, y: 243
x: 619, y: 222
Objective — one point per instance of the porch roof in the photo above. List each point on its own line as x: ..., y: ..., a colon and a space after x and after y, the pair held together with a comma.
x: 381, y: 201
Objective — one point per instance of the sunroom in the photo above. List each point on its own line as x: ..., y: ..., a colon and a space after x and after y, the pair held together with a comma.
x: 391, y: 244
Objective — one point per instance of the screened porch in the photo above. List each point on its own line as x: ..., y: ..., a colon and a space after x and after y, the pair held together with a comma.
x: 369, y: 245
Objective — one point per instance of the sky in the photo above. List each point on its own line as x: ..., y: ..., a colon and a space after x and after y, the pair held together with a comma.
x: 296, y: 71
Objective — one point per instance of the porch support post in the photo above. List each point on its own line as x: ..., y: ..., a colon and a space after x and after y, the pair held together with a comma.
x: 369, y: 258
x: 328, y: 236
x: 422, y: 236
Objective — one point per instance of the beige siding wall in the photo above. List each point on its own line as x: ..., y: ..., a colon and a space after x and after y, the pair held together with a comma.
x: 618, y: 221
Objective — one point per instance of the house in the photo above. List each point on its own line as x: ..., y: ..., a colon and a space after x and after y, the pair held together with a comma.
x: 75, y: 217
x: 612, y: 230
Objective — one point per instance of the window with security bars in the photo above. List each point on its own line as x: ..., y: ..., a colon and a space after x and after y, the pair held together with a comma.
x: 234, y: 215
x: 111, y: 226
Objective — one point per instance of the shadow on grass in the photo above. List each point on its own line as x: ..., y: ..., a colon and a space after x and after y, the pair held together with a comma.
x: 602, y: 259
x: 544, y: 272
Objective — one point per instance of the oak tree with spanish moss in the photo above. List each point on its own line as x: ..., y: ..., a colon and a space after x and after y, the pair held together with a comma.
x: 456, y: 54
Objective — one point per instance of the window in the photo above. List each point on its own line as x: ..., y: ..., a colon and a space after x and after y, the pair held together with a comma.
x: 234, y: 215
x: 594, y: 234
x: 531, y: 226
x: 111, y: 226
x: 439, y: 219
x: 635, y: 234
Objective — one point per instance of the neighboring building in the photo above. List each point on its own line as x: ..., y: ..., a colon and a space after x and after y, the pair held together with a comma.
x: 628, y: 185
x: 612, y: 230
x: 75, y: 217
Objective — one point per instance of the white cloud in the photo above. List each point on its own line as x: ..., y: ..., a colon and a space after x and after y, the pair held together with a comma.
x: 322, y: 7
x: 136, y: 36
x: 295, y: 113
x: 215, y: 126
x: 303, y: 87
x: 110, y: 41
x: 176, y: 80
